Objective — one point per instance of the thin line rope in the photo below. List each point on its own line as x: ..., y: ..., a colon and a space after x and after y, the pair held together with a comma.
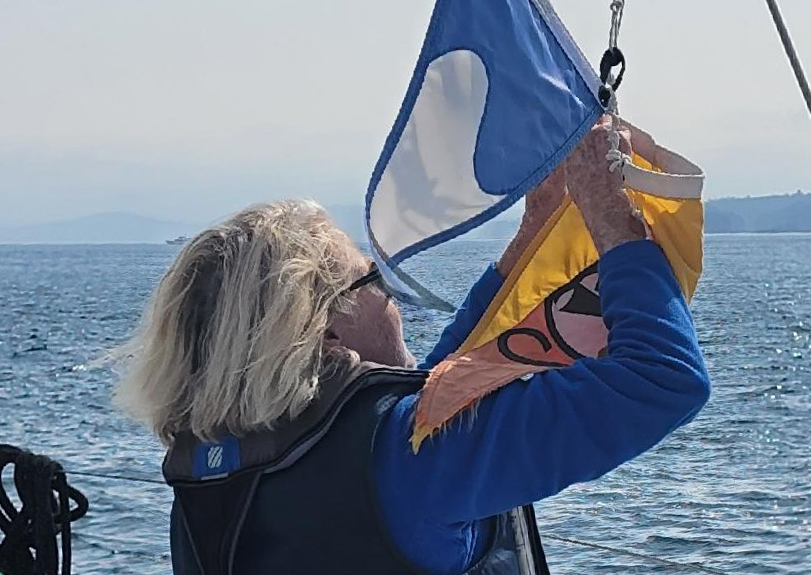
x: 615, y: 157
x: 118, y: 477
x: 617, y: 8
x: 109, y: 545
x: 668, y: 562
x: 568, y: 540
x: 788, y: 45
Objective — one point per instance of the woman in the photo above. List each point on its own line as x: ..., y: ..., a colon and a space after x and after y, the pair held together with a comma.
x: 279, y: 380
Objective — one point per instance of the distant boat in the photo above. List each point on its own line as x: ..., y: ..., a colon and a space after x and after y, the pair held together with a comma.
x: 178, y: 241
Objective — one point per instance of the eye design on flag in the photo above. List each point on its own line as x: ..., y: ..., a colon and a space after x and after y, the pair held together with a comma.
x: 528, y: 332
x: 575, y: 318
x: 568, y: 325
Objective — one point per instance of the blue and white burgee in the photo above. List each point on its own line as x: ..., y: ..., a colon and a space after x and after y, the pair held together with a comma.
x: 500, y: 95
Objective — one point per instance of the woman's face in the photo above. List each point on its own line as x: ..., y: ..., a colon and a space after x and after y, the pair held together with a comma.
x: 374, y: 328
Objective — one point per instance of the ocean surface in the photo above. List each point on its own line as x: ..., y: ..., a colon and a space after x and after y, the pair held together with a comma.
x: 730, y: 492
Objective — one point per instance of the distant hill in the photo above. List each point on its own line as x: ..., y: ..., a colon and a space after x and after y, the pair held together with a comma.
x: 350, y: 219
x: 116, y: 227
x: 127, y: 228
x: 766, y: 214
x: 779, y: 213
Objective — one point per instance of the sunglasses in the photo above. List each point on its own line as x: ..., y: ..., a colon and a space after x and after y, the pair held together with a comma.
x: 372, y: 276
x: 425, y: 297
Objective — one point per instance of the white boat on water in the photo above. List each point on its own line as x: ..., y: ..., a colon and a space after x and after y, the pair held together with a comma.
x: 178, y: 241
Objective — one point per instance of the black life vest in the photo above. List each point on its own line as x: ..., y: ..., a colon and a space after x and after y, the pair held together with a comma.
x: 300, y: 500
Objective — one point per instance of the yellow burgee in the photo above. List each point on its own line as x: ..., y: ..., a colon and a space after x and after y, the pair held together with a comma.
x: 547, y: 314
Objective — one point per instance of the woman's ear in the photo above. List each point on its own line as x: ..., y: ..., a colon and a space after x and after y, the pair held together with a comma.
x: 331, y: 338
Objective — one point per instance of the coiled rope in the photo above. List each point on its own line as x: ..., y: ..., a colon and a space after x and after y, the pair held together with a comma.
x: 29, y: 545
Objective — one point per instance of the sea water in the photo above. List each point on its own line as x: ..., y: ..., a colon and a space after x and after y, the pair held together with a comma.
x: 731, y: 491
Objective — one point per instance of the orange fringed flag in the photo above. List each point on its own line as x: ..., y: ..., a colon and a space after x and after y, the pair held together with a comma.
x: 547, y: 314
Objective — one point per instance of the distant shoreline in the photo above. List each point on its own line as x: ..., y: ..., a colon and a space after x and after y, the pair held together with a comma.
x: 776, y: 214
x: 170, y: 247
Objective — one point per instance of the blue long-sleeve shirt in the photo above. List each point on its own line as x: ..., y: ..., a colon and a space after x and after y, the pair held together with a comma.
x: 530, y: 440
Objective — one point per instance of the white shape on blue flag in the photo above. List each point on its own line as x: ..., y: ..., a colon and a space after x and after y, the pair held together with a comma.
x: 499, y: 96
x: 429, y: 184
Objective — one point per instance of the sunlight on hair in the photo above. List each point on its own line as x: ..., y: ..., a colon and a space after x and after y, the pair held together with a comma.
x: 232, y: 339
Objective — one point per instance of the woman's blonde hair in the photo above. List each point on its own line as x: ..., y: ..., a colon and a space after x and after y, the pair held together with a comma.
x: 232, y: 339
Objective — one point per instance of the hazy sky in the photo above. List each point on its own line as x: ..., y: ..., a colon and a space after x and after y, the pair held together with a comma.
x: 190, y: 109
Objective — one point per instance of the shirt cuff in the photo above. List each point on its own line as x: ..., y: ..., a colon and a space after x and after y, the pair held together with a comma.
x: 467, y: 316
x: 630, y: 253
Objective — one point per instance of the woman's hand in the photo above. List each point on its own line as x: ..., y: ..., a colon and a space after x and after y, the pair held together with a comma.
x: 598, y: 193
x: 540, y: 203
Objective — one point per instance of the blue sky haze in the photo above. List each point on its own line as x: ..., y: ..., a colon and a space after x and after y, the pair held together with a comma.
x: 190, y: 109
